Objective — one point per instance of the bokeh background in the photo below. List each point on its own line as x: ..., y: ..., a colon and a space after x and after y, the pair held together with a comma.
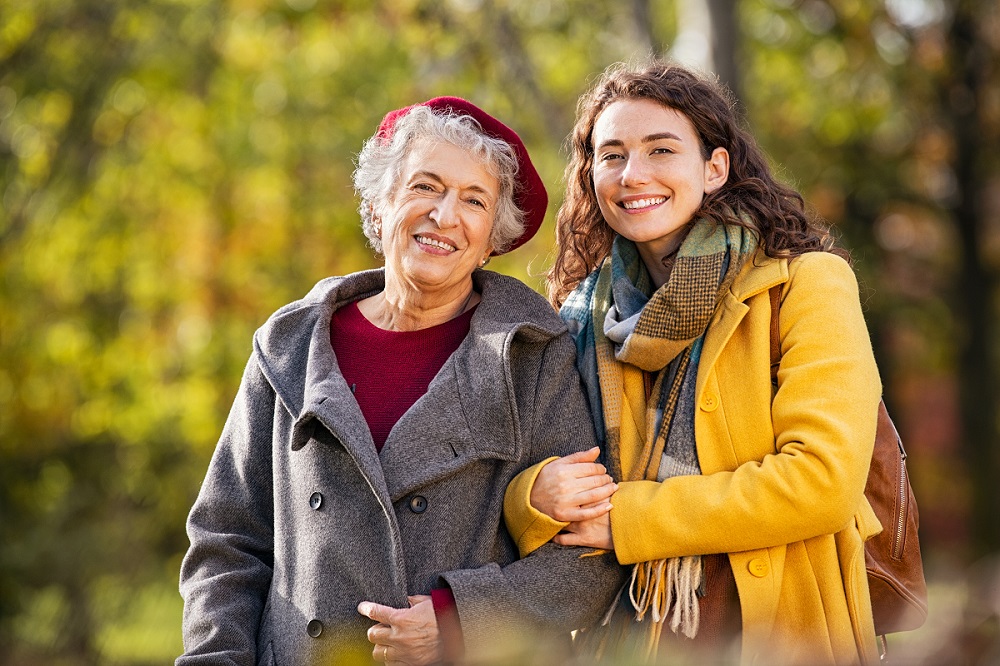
x: 172, y: 171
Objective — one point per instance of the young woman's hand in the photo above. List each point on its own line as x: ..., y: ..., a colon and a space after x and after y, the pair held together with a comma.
x: 593, y: 533
x: 404, y: 635
x: 573, y: 488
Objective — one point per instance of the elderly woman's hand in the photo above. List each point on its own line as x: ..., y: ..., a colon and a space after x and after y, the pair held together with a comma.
x: 404, y: 635
x: 573, y: 488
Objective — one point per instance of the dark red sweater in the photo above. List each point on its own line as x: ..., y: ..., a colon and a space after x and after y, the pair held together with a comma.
x: 389, y: 370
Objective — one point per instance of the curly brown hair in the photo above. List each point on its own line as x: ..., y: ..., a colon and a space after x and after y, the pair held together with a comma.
x: 751, y: 198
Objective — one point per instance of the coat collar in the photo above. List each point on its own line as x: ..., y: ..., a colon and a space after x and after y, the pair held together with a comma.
x: 756, y: 276
x: 759, y: 275
x: 294, y: 352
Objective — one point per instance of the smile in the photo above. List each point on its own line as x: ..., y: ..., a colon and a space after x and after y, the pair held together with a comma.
x: 642, y: 203
x: 424, y: 240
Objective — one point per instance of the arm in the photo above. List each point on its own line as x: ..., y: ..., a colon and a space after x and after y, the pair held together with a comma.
x: 555, y: 588
x: 824, y: 426
x: 544, y: 499
x: 226, y: 573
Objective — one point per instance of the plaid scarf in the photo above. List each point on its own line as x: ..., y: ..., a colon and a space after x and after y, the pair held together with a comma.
x: 620, y: 332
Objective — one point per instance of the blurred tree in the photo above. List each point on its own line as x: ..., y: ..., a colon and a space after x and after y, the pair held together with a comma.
x: 969, y: 85
x: 709, y: 38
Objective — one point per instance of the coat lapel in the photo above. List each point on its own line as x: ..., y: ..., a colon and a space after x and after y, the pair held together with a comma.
x: 435, y: 437
x: 294, y: 352
x: 757, y: 275
x: 469, y: 412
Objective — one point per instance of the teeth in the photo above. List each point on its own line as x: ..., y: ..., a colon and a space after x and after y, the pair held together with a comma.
x: 436, y: 243
x: 643, y: 203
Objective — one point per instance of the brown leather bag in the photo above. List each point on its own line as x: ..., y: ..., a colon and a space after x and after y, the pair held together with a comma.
x: 892, y: 557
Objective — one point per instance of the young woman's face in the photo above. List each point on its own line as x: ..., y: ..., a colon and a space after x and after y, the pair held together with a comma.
x: 650, y: 175
x: 438, y: 224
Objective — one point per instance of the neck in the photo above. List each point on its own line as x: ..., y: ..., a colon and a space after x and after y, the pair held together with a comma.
x: 659, y: 262
x: 405, y: 308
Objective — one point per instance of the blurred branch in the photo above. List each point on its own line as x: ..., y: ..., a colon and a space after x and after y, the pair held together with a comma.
x: 642, y: 19
x: 726, y: 43
x: 509, y: 46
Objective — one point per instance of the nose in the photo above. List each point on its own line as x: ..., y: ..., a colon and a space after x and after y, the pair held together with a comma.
x: 445, y: 211
x: 635, y: 171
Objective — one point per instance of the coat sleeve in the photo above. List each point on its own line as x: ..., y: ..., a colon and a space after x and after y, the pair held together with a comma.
x: 556, y: 588
x: 226, y: 573
x: 824, y: 418
x: 530, y: 527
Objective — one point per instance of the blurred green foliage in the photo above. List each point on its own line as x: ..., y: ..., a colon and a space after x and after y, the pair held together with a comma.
x: 172, y: 171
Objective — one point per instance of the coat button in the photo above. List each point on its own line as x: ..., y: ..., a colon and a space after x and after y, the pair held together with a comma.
x: 709, y: 402
x: 314, y: 628
x: 758, y: 567
x: 418, y: 504
x: 316, y: 501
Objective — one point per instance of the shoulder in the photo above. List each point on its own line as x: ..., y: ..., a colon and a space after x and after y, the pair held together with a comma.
x: 326, y: 296
x: 820, y: 265
x: 509, y: 303
x: 821, y: 274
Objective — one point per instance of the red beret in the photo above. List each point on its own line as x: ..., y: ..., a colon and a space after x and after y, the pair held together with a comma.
x: 529, y: 192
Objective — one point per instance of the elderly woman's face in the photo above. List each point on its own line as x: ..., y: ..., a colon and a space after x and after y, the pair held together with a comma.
x: 436, y: 229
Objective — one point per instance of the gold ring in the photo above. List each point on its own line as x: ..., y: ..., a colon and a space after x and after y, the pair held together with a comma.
x: 385, y: 653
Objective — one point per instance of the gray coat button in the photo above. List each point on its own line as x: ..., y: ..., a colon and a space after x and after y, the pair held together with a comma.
x: 314, y: 628
x: 316, y: 501
x: 418, y: 504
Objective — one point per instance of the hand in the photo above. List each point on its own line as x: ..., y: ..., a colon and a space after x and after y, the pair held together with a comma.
x: 404, y: 635
x: 573, y: 488
x: 594, y: 533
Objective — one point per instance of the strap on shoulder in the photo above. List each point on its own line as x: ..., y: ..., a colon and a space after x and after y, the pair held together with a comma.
x: 775, y: 295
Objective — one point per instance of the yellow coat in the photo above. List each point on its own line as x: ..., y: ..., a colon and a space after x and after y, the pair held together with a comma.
x: 785, y: 502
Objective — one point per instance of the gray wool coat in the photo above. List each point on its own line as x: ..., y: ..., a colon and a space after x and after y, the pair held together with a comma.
x: 299, y: 518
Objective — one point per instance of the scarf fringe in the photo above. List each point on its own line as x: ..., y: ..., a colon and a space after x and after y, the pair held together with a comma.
x: 656, y: 587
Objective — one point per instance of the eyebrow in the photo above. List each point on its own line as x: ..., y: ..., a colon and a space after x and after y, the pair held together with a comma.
x: 649, y: 138
x: 434, y: 176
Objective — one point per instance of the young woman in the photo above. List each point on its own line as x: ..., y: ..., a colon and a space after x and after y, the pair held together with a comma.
x: 738, y: 503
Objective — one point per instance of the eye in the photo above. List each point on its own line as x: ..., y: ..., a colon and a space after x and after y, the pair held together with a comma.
x: 662, y: 151
x: 607, y: 157
x: 477, y: 202
x: 423, y: 187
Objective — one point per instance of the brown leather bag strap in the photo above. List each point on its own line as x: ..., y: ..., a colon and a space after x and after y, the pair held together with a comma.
x: 775, y: 294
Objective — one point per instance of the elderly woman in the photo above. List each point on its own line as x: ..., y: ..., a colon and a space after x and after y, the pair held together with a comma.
x: 355, y: 495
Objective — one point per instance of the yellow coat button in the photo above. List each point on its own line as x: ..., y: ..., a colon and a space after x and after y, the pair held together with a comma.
x: 709, y: 402
x: 758, y: 567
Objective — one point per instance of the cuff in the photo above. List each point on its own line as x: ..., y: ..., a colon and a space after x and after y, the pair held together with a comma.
x: 530, y: 528
x: 632, y: 530
x: 449, y: 625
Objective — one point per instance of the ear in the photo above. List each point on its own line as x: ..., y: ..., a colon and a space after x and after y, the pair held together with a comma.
x: 716, y: 170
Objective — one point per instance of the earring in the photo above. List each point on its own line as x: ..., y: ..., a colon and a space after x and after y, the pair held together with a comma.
x: 378, y: 228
